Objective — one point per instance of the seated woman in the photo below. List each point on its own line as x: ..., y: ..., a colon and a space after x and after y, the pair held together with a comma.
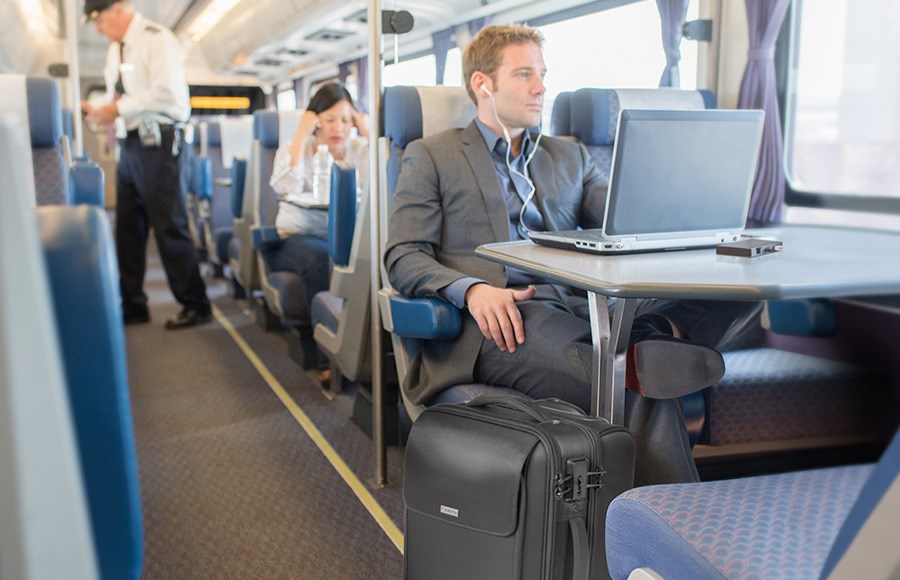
x: 326, y: 121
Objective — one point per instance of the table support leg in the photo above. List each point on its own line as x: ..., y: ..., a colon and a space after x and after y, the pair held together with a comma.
x: 610, y: 340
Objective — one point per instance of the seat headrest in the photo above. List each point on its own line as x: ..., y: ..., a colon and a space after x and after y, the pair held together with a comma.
x: 265, y: 128
x: 270, y: 126
x: 411, y: 113
x: 44, y: 112
x: 595, y: 112
x: 560, y: 116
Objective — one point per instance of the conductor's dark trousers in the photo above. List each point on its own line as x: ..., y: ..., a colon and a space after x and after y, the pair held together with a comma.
x: 148, y: 195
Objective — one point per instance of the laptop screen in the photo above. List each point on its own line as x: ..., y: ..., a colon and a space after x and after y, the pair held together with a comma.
x: 682, y: 171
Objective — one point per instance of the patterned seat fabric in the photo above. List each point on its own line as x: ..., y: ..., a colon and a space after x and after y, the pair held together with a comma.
x: 46, y: 127
x: 771, y: 395
x: 775, y: 526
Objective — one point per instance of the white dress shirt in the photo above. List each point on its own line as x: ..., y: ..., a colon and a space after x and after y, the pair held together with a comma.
x: 287, y: 180
x: 152, y: 74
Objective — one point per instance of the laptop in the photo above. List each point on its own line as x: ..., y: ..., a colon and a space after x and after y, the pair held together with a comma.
x: 679, y: 179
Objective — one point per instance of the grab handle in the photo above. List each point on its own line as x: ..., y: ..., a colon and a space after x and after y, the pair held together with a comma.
x: 511, y: 403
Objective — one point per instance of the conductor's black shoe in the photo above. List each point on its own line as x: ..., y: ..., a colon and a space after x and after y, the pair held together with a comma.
x: 188, y: 317
x: 137, y: 317
x: 660, y: 366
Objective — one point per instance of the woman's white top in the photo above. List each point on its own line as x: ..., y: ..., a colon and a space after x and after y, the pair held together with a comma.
x: 286, y: 180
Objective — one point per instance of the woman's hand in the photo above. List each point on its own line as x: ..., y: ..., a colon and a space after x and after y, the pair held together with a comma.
x: 309, y: 122
x: 361, y: 122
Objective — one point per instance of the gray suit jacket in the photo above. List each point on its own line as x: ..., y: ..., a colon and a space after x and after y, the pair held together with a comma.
x: 449, y: 201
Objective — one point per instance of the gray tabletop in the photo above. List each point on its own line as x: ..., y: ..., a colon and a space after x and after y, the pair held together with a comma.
x: 816, y: 262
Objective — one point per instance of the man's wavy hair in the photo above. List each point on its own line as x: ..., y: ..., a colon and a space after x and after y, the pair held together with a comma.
x: 484, y: 52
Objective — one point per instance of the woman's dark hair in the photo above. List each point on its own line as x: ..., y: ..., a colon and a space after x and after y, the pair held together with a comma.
x: 328, y: 96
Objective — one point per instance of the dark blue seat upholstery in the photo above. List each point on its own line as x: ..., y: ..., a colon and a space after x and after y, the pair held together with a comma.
x: 79, y: 250
x: 793, y: 525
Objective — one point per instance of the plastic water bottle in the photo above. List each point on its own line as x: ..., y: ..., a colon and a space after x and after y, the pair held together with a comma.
x: 322, y: 162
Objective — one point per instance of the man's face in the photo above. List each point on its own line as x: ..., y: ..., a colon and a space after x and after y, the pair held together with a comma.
x: 112, y: 23
x: 519, y: 86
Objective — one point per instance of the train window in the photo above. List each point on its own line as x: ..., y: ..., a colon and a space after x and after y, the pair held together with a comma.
x: 286, y: 100
x: 421, y: 71
x: 625, y: 51
x: 842, y: 123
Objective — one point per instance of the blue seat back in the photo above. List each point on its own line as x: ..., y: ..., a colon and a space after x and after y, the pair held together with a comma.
x: 45, y: 525
x: 46, y: 128
x: 81, y: 264
x: 266, y: 130
x: 560, y: 116
x: 238, y: 179
x: 341, y: 213
x: 594, y: 114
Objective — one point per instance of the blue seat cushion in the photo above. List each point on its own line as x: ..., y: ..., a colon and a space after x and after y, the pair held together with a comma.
x: 771, y: 395
x: 759, y: 527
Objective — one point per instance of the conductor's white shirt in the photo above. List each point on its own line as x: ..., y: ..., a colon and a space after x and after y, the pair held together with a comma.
x: 152, y: 70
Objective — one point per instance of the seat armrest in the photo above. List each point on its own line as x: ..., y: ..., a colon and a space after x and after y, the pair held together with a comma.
x: 265, y: 237
x: 424, y: 318
x: 86, y: 183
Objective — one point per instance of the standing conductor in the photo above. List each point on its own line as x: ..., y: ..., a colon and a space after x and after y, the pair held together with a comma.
x: 147, y: 92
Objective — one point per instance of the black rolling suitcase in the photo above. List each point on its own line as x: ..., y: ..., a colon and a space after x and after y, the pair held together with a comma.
x: 509, y: 488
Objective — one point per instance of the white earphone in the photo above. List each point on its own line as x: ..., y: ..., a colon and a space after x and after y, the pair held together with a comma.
x: 524, y: 173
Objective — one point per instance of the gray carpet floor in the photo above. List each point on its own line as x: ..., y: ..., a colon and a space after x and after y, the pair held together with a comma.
x: 231, y: 485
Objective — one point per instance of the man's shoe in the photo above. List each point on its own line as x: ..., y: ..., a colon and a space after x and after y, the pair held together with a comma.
x: 668, y: 368
x: 188, y: 317
x: 660, y: 366
x: 135, y: 317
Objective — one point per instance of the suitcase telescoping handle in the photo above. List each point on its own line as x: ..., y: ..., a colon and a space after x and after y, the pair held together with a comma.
x: 512, y: 404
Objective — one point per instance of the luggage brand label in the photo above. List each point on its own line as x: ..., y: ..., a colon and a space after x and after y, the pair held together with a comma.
x: 450, y: 511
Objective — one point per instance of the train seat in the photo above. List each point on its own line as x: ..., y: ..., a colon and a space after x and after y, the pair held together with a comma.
x: 561, y: 114
x: 38, y: 100
x: 81, y: 265
x: 282, y: 299
x: 46, y: 523
x: 58, y: 179
x: 411, y: 113
x: 199, y: 188
x: 225, y: 140
x: 594, y: 114
x: 825, y: 523
x: 233, y: 249
x: 341, y: 315
x: 245, y: 267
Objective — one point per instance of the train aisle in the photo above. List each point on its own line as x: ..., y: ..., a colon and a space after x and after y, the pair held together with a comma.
x: 232, y: 484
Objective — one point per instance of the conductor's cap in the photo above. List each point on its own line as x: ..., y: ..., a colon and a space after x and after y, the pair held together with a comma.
x: 93, y: 8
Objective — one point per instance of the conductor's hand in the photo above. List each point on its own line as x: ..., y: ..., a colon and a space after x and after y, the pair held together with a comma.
x: 498, y: 317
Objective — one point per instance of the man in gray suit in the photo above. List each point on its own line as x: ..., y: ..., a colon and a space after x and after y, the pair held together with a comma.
x: 491, y: 182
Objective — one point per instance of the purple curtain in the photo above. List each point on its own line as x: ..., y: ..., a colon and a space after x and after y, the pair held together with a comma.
x: 440, y: 42
x: 672, y: 14
x: 478, y: 24
x: 344, y: 71
x: 758, y: 91
x: 362, y: 83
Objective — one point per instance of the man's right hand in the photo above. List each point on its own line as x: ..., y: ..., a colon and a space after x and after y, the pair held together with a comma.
x: 498, y: 317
